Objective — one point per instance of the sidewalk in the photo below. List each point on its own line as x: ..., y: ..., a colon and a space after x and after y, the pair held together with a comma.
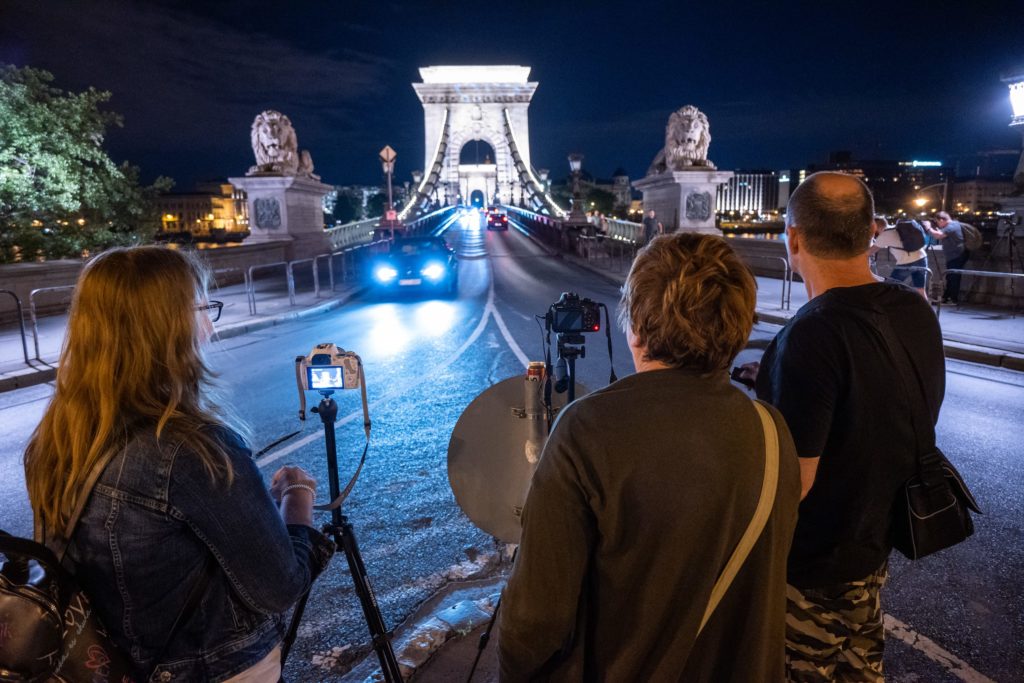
x: 272, y: 305
x: 979, y: 334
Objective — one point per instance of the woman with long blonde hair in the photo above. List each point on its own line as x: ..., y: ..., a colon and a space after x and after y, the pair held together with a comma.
x: 178, y: 506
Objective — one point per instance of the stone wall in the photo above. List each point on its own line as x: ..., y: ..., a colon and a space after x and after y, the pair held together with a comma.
x: 22, y: 278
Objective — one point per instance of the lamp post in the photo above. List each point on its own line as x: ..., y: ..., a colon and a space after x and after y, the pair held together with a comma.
x: 575, y: 164
x: 1014, y: 80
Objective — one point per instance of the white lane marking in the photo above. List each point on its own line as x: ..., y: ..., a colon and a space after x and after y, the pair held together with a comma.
x: 274, y: 456
x: 504, y: 330
x: 933, y: 651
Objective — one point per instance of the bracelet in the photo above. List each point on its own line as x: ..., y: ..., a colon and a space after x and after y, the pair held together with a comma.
x: 293, y: 487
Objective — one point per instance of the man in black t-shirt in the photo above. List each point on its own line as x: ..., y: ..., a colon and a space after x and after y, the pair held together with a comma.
x: 826, y: 372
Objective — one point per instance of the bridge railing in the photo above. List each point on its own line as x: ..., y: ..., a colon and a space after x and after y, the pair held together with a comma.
x: 544, y: 228
x: 351, y: 234
x: 431, y: 223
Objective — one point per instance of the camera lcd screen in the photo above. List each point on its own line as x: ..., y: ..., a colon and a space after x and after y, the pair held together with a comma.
x: 568, y: 320
x: 325, y: 377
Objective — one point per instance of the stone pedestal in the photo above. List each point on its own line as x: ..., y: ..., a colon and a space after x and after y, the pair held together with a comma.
x: 286, y: 208
x: 684, y: 200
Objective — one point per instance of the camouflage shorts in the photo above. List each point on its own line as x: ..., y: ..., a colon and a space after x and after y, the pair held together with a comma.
x: 835, y: 633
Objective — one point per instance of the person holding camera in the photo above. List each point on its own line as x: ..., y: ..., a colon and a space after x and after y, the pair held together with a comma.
x: 643, y: 491
x: 172, y: 504
x: 951, y: 235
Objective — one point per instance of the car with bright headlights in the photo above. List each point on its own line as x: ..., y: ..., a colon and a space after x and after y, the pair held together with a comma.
x: 416, y: 264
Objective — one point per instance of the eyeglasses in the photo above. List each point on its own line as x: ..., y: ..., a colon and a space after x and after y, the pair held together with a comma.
x: 213, y: 308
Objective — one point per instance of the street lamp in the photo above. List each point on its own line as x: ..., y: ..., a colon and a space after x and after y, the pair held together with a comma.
x: 921, y: 201
x: 575, y: 164
x: 1014, y: 80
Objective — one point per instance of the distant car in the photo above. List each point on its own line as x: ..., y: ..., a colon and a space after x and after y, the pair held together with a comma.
x: 417, y: 263
x: 497, y: 220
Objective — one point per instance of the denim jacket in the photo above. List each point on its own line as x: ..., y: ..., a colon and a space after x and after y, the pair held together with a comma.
x: 142, y: 544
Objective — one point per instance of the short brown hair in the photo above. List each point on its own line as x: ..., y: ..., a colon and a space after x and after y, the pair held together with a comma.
x: 834, y: 213
x: 689, y: 300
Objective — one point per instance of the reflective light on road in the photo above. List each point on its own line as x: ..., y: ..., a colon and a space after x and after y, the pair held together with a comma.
x: 388, y: 334
x: 470, y: 220
x: 434, y: 318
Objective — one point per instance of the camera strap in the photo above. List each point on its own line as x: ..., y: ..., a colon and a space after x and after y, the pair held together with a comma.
x: 337, y: 502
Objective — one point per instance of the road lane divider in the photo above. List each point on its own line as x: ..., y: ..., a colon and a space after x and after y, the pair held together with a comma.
x: 933, y: 651
x: 488, y: 311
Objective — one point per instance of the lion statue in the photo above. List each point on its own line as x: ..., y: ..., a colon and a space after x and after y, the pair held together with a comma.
x: 276, y: 148
x: 687, y: 138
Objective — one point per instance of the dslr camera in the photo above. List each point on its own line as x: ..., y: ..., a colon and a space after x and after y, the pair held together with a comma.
x: 327, y: 368
x: 572, y: 314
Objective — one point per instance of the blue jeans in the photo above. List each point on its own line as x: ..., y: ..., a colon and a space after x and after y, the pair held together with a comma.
x: 901, y: 273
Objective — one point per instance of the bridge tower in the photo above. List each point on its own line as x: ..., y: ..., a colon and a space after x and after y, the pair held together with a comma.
x: 467, y: 109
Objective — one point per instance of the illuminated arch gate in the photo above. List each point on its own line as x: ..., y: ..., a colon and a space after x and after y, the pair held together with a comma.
x: 464, y: 104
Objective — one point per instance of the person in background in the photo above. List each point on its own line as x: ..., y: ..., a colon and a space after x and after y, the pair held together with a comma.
x: 910, y: 264
x: 951, y: 235
x: 179, y: 496
x: 643, y: 491
x: 652, y: 226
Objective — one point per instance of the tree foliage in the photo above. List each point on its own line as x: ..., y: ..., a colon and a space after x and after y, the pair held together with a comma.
x: 61, y: 195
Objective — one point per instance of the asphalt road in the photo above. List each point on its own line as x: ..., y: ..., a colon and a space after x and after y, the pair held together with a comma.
x: 958, y: 615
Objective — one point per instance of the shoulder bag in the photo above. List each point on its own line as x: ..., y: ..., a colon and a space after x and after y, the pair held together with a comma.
x: 932, y: 509
x: 769, y: 485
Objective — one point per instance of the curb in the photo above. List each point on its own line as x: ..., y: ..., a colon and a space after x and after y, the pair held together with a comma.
x: 452, y: 612
x: 27, y: 377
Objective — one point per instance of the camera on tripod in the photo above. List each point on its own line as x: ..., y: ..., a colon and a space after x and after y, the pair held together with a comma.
x: 572, y: 314
x: 327, y: 368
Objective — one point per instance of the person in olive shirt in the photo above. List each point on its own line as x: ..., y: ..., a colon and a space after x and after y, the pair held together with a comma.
x: 643, y: 491
x: 827, y: 371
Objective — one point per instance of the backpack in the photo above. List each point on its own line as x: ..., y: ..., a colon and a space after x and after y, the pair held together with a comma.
x: 49, y: 630
x: 53, y: 632
x: 972, y: 237
x: 911, y: 235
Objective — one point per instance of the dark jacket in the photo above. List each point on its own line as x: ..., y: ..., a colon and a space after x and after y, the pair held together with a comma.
x: 642, y: 493
x: 153, y: 519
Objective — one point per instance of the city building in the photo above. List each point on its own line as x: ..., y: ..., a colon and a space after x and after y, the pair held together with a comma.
x: 215, y: 211
x: 754, y: 194
x: 917, y: 186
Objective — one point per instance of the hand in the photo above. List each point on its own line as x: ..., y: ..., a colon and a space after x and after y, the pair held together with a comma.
x: 288, y: 475
x: 746, y: 374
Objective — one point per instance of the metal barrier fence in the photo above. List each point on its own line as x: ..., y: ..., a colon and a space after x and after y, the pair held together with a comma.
x: 1012, y: 277
x: 21, y: 323
x: 348, y: 261
x: 34, y: 317
x: 787, y: 277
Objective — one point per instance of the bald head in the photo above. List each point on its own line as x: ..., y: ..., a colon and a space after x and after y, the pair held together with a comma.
x: 834, y: 213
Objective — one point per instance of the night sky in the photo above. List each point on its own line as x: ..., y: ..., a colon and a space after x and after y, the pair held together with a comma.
x: 782, y: 82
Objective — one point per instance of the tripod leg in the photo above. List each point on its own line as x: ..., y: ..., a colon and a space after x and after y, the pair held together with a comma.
x: 485, y: 637
x: 345, y: 538
x: 293, y: 627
